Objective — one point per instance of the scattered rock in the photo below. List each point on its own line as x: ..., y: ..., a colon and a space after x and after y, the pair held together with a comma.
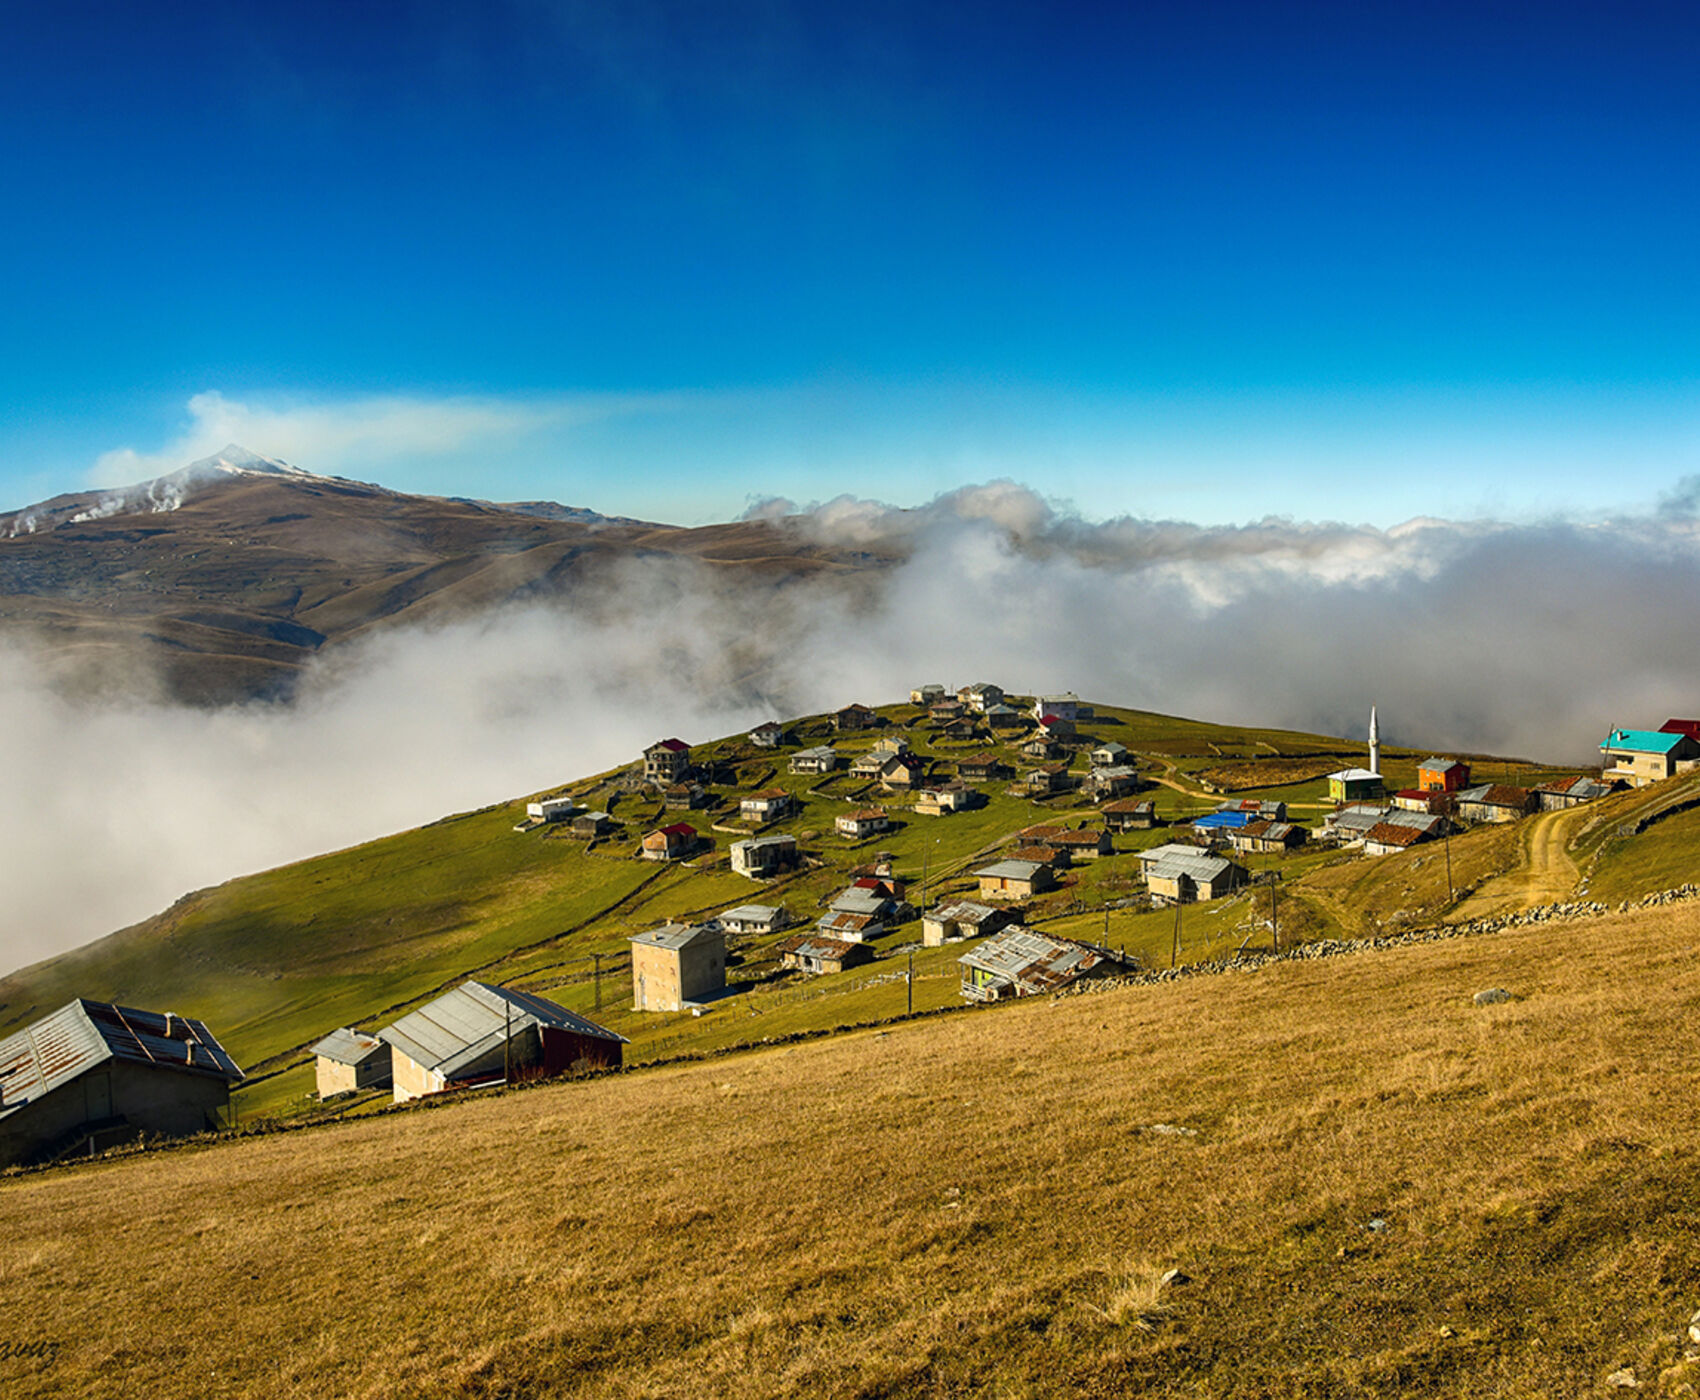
x: 1170, y: 1130
x: 1376, y: 1226
x: 1492, y: 996
x: 1624, y: 1379
x: 1446, y: 1330
x: 1694, y: 1328
x: 1174, y: 1278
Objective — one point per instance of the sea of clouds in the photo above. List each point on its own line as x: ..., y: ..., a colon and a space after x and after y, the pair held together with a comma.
x: 1525, y: 639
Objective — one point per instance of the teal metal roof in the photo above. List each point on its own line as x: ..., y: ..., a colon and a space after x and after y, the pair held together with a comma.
x: 1642, y: 740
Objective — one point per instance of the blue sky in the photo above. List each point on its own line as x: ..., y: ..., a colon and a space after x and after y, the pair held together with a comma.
x: 1210, y: 261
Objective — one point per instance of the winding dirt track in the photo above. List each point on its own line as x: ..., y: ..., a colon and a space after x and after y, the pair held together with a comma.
x: 1545, y: 874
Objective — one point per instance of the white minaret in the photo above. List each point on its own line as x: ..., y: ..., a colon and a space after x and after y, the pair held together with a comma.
x: 1374, y: 744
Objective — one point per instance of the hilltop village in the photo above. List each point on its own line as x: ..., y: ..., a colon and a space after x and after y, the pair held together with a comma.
x: 1084, y: 856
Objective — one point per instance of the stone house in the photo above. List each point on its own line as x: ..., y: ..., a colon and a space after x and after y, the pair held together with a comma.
x: 818, y: 955
x: 768, y: 805
x: 675, y: 964
x: 762, y: 856
x: 348, y: 1060
x: 667, y: 761
x: 1129, y: 814
x: 1014, y: 879
x: 671, y: 842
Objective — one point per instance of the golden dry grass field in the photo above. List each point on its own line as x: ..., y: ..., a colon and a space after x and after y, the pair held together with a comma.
x: 1380, y: 1188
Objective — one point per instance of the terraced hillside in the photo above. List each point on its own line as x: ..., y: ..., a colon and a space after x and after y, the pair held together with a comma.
x: 275, y: 960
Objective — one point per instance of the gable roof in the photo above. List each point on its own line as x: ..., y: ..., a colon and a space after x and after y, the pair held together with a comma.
x: 347, y: 1046
x: 467, y: 1022
x: 1020, y: 957
x: 1393, y: 834
x: 1010, y: 870
x: 671, y: 745
x: 817, y: 945
x: 1643, y: 740
x: 83, y: 1034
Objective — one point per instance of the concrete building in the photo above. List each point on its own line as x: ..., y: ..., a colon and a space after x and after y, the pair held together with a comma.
x: 347, y: 1060
x: 768, y: 805
x: 754, y: 918
x: 91, y: 1075
x: 677, y: 963
x: 1442, y: 775
x: 1642, y: 756
x: 768, y: 735
x: 1177, y: 874
x: 1014, y: 879
x: 667, y: 761
x: 671, y: 842
x: 551, y: 809
x: 761, y: 856
x: 478, y: 1035
x: 1065, y: 706
x: 821, y: 759
x: 861, y: 822
x: 962, y: 919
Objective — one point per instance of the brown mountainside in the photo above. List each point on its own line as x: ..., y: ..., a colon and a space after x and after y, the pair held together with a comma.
x: 230, y: 593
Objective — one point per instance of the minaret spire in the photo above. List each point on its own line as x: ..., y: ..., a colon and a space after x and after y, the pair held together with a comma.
x: 1374, y: 744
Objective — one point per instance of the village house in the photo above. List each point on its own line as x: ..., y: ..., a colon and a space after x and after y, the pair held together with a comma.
x: 1642, y: 756
x: 1221, y: 823
x: 982, y: 768
x: 1041, y: 750
x: 91, y: 1074
x: 1049, y: 778
x: 1690, y: 727
x: 761, y: 856
x: 1019, y: 962
x: 927, y: 694
x: 1056, y: 728
x: 347, y: 1060
x: 1442, y: 775
x: 951, y: 923
x: 1079, y: 843
x: 1573, y: 792
x: 949, y: 797
x: 550, y: 809
x: 863, y: 822
x: 1112, y: 782
x: 1057, y: 857
x: 768, y: 805
x: 980, y: 696
x: 667, y: 761
x: 1014, y: 879
x: 1065, y: 706
x: 1185, y: 875
x: 674, y: 965
x: 590, y: 825
x: 1256, y: 809
x: 868, y: 897
x: 1496, y: 802
x: 902, y: 773
x: 684, y: 797
x: 1005, y: 717
x: 958, y: 731
x: 822, y: 759
x: 1129, y: 815
x: 818, y: 955
x: 1354, y: 784
x: 671, y: 842
x: 755, y: 919
x: 476, y: 1035
x: 768, y: 735
x: 1349, y: 823
x: 853, y: 717
x: 1431, y: 800
x: 880, y: 879
x: 1267, y: 837
x: 1111, y: 755
x: 1389, y: 838
x: 868, y: 765
x: 946, y: 711
x: 850, y: 927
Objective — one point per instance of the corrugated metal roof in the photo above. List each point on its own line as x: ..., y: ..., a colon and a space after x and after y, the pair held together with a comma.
x: 821, y: 751
x: 465, y: 1023
x: 1393, y: 834
x: 348, y: 1046
x: 860, y: 901
x: 82, y: 1034
x: 842, y: 921
x: 1438, y: 765
x: 675, y: 936
x: 1009, y: 870
x: 964, y: 911
x: 752, y: 914
x: 1354, y: 775
x: 1032, y: 961
x: 814, y: 945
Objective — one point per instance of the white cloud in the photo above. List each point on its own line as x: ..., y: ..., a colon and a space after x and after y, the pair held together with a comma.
x: 352, y: 437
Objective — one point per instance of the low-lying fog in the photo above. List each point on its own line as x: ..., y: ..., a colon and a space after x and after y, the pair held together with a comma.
x: 1522, y: 639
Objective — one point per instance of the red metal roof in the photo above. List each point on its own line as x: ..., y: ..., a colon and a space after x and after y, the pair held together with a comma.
x: 1690, y: 727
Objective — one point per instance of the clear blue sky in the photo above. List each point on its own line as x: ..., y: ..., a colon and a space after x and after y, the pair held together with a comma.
x: 1203, y: 260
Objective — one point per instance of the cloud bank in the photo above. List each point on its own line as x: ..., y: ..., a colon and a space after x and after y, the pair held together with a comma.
x: 1521, y: 639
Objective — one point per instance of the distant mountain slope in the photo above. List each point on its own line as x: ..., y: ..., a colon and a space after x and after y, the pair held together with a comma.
x: 229, y: 574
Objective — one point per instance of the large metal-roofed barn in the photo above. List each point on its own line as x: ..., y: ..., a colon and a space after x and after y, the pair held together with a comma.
x: 477, y: 1034
x: 92, y: 1073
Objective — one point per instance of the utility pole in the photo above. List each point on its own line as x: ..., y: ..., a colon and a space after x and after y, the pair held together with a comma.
x: 1175, y: 947
x: 1447, y: 842
x: 596, y: 958
x: 909, y: 981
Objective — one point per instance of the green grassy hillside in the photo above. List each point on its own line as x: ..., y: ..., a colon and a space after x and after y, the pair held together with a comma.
x: 274, y: 960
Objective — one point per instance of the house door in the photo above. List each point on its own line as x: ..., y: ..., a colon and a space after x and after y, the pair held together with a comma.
x: 98, y: 1088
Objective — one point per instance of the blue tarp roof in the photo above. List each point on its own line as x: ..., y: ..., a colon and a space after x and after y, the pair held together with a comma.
x: 1221, y: 821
